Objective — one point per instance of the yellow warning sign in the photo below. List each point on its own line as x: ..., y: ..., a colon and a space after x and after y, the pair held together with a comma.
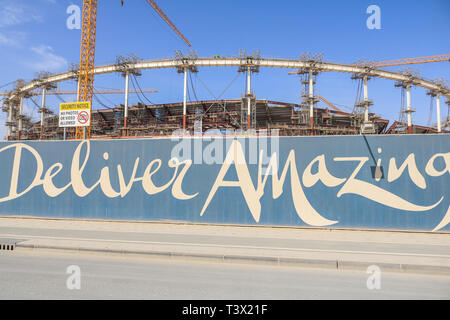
x: 74, y: 106
x: 75, y: 114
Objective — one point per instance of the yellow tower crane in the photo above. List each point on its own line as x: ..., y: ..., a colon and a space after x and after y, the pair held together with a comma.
x: 405, y: 61
x: 400, y: 62
x: 87, y: 55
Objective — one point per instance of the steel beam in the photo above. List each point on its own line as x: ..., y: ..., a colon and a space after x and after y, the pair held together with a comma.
x: 235, y: 62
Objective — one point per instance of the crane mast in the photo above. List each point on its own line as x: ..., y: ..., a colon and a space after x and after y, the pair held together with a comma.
x: 87, y: 55
x: 87, y: 58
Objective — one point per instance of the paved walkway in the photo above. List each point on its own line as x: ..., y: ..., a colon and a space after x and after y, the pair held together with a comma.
x: 346, y: 249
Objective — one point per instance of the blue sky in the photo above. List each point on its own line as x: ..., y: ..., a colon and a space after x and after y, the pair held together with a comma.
x: 34, y: 37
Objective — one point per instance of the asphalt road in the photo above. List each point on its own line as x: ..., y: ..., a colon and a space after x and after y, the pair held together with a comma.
x: 342, y: 249
x: 29, y: 274
x: 412, y: 248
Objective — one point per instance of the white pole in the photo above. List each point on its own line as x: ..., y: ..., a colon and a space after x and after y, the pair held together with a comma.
x: 184, y: 100
x: 438, y: 115
x: 311, y: 101
x: 249, y: 81
x: 9, y: 128
x: 366, y: 99
x: 408, y: 106
x: 125, y: 120
x: 249, y: 91
x: 20, y: 118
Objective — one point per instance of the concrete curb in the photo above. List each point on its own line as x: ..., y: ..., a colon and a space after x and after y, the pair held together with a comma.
x: 266, y: 260
x: 188, y: 223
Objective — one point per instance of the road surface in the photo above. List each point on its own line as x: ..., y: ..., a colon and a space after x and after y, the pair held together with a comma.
x: 42, y: 274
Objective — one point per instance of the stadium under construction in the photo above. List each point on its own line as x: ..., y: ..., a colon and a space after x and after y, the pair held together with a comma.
x: 246, y: 115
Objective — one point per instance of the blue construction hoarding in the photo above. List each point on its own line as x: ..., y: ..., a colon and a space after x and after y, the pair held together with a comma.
x: 398, y: 182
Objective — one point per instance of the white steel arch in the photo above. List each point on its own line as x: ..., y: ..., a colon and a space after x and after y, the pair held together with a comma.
x: 237, y: 62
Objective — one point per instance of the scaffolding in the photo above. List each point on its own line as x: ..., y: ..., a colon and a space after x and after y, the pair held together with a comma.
x: 206, y: 117
x: 247, y: 114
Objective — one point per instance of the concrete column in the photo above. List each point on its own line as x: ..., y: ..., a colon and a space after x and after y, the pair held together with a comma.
x: 44, y: 91
x: 408, y: 107
x: 19, y: 132
x: 311, y: 101
x: 184, y: 100
x: 78, y: 91
x: 366, y: 99
x: 438, y: 113
x: 9, y: 128
x: 125, y: 117
x: 249, y: 92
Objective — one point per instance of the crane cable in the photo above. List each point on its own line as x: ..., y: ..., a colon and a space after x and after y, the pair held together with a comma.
x: 137, y: 93
x: 220, y: 95
x: 35, y: 103
x: 192, y: 85
x: 100, y: 102
x: 358, y: 93
x: 140, y: 89
x: 229, y: 85
x: 217, y: 98
x: 60, y: 98
x: 430, y: 114
x: 96, y: 96
x: 7, y: 84
x: 447, y: 121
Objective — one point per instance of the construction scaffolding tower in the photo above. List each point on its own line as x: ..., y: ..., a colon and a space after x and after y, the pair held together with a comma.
x: 249, y: 64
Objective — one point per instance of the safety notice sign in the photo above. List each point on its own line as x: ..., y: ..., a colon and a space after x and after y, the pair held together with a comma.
x: 75, y: 114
